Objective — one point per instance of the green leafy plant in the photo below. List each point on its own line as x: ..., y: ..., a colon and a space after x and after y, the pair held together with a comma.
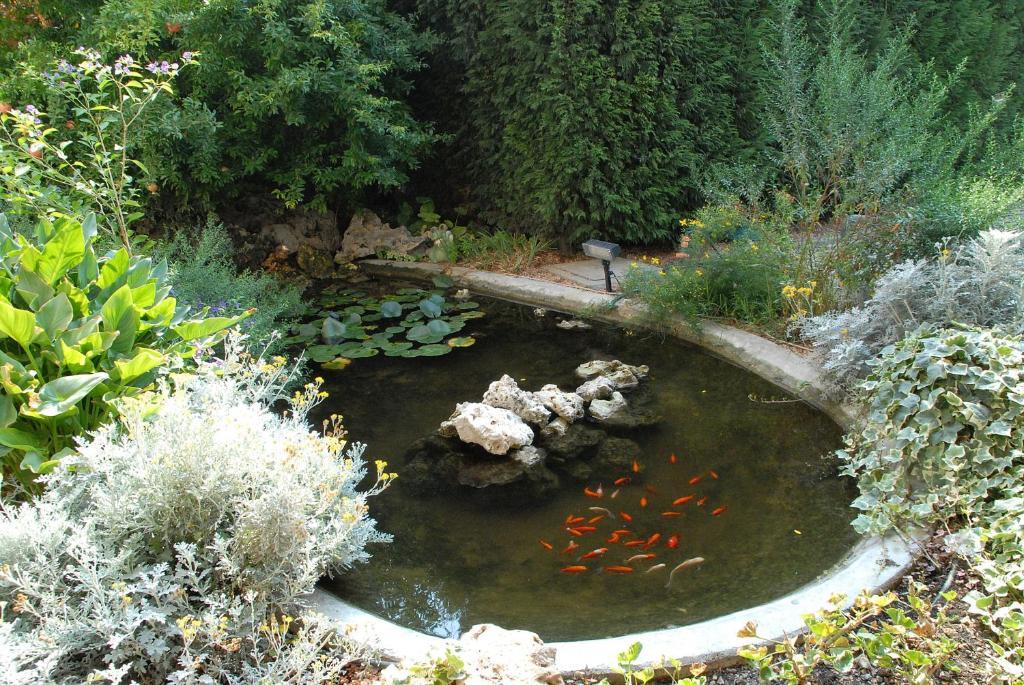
x: 502, y: 250
x: 632, y: 675
x: 442, y: 670
x: 78, y: 332
x: 905, y: 638
x: 408, y: 323
x: 85, y: 162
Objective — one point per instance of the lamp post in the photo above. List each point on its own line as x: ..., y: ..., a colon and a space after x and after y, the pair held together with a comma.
x: 606, y: 252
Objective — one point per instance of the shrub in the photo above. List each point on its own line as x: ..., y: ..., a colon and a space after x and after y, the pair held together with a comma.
x: 501, y: 250
x: 202, y: 274
x: 301, y: 98
x: 79, y: 332
x: 177, y: 544
x: 979, y: 282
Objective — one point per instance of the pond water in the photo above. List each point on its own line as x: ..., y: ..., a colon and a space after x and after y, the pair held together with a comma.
x: 461, y: 557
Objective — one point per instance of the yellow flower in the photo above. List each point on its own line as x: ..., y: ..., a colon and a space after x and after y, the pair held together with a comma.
x: 655, y: 261
x: 699, y: 272
x: 789, y: 292
x: 753, y: 247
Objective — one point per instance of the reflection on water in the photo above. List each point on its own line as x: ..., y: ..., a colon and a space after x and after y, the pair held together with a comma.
x: 459, y: 559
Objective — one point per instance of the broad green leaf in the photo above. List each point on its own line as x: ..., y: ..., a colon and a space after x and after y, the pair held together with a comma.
x: 116, y: 307
x: 59, y: 396
x: 63, y: 251
x: 19, y: 439
x: 54, y: 316
x: 17, y: 324
x: 192, y: 330
x: 113, y: 269
x: 8, y: 412
x: 144, y: 361
x: 37, y: 463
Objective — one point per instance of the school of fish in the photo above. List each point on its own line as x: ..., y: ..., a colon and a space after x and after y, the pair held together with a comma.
x: 621, y: 548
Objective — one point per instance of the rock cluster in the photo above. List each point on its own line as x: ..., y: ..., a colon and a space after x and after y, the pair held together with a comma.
x: 523, y: 440
x: 367, y: 236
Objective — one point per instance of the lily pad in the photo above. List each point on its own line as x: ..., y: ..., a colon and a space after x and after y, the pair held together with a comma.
x: 390, y: 309
x: 467, y: 305
x: 337, y: 364
x: 334, y: 330
x: 434, y: 350
x: 322, y: 353
x: 354, y: 350
x: 464, y: 341
x: 443, y: 281
x: 394, y: 329
x: 430, y: 307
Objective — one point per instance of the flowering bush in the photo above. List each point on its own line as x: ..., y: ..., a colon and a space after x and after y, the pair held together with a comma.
x: 176, y: 546
x: 83, y: 164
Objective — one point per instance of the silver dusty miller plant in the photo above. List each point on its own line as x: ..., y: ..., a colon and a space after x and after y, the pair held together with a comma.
x: 980, y: 282
x: 176, y: 546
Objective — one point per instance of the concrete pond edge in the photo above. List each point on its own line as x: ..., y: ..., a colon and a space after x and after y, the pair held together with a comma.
x: 874, y: 564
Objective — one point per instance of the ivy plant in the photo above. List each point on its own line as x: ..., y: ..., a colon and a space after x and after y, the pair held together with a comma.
x: 78, y: 332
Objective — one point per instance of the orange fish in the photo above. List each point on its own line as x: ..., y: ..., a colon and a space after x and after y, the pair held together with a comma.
x: 618, y: 569
x: 636, y: 466
x: 570, y: 547
x: 651, y: 489
x: 586, y: 529
x: 622, y: 531
x: 682, y: 500
x: 596, y: 494
x: 596, y: 553
x: 672, y: 542
x: 696, y: 479
x: 625, y: 517
x: 574, y: 569
x: 574, y: 532
x: 573, y: 519
x: 596, y: 518
x: 653, y: 540
x: 635, y: 543
x: 713, y: 474
x: 545, y: 544
x: 669, y: 514
x: 702, y: 500
x: 613, y: 539
x: 640, y: 557
x: 614, y: 494
x: 643, y: 501
x: 672, y: 458
x: 622, y: 481
x: 718, y: 511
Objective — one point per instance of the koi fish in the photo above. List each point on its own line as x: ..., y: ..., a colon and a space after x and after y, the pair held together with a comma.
x: 595, y: 519
x: 623, y: 481
x: 669, y: 514
x: 702, y: 500
x: 651, y: 489
x: 672, y: 458
x: 614, y: 494
x: 640, y: 557
x: 613, y: 539
x: 713, y: 474
x: 625, y: 517
x: 718, y: 511
x: 570, y: 547
x: 573, y: 519
x: 696, y: 561
x: 696, y: 479
x: 643, y: 501
x: 652, y: 541
x: 622, y: 531
x: 618, y: 569
x: 656, y: 567
x: 636, y: 466
x: 546, y: 545
x: 606, y: 511
x: 635, y: 543
x: 596, y: 553
x: 586, y: 529
x: 672, y: 542
x: 596, y: 494
x: 574, y: 532
x: 574, y: 569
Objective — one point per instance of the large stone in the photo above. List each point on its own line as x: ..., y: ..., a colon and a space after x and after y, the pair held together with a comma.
x: 367, y: 235
x: 614, y: 458
x: 599, y: 388
x: 567, y: 405
x: 622, y: 376
x: 616, y: 412
x: 318, y: 230
x: 495, y: 429
x: 315, y: 263
x: 525, y: 462
x: 496, y: 656
x: 506, y: 394
x: 577, y: 442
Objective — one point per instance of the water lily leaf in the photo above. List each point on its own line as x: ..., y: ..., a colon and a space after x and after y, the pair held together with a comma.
x: 322, y: 353
x: 413, y: 317
x: 467, y: 305
x: 443, y: 281
x: 430, y: 308
x: 410, y: 291
x: 394, y: 329
x: 394, y: 349
x: 354, y: 309
x: 334, y: 330
x: 465, y: 341
x: 380, y: 339
x: 474, y: 314
x: 337, y: 364
x: 354, y: 350
x: 434, y: 350
x: 439, y: 327
x: 390, y: 309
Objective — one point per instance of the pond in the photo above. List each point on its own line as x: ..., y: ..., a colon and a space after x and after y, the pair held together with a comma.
x: 463, y: 556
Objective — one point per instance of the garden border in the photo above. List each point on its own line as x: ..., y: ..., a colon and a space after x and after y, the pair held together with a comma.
x: 875, y: 563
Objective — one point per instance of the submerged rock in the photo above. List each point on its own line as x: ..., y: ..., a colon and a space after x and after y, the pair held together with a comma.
x: 522, y: 471
x: 614, y: 457
x: 554, y: 429
x: 568, y: 405
x: 506, y: 394
x: 622, y: 376
x: 495, y: 429
x: 599, y: 388
x: 577, y: 442
x: 616, y: 412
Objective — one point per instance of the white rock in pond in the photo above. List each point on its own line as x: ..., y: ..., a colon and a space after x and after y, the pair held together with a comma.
x: 506, y: 394
x: 567, y: 405
x: 623, y: 376
x: 496, y: 656
x: 599, y: 388
x: 495, y: 429
x: 556, y: 428
x: 570, y: 324
x: 604, y: 411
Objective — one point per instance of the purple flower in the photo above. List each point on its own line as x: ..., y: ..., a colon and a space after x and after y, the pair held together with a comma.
x: 31, y: 109
x: 153, y: 68
x: 186, y: 55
